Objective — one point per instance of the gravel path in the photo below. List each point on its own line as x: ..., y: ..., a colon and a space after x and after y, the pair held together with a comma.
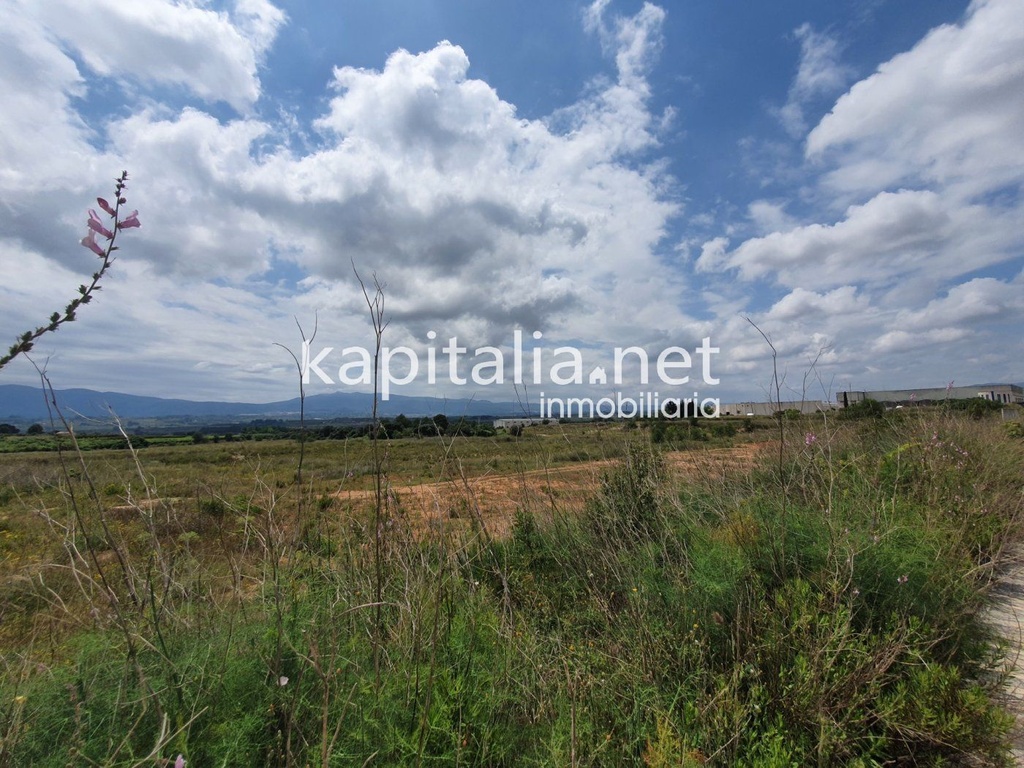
x: 1007, y: 615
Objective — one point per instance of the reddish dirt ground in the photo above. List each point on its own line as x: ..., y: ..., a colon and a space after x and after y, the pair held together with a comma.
x: 495, y: 499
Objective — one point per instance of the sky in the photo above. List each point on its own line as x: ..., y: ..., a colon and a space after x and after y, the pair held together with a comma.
x: 843, y: 177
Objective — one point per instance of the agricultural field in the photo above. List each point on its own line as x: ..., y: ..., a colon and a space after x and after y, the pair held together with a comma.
x: 758, y: 593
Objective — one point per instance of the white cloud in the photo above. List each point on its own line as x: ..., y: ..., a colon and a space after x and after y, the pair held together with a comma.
x: 162, y: 41
x: 801, y: 304
x: 38, y: 127
x: 820, y: 73
x: 633, y: 40
x: 56, y: 156
x: 948, y: 111
x: 974, y: 303
x: 895, y: 234
x: 259, y: 21
x: 768, y: 216
x: 899, y: 341
x: 894, y: 246
x: 188, y: 180
x: 475, y: 219
x: 911, y: 213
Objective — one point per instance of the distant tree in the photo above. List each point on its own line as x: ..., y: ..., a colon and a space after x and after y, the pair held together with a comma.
x: 198, y: 437
x: 9, y: 429
x: 441, y: 423
x: 35, y: 429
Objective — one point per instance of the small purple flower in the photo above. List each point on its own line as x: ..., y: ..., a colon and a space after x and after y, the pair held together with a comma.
x: 180, y: 762
x: 810, y: 438
x: 105, y: 206
x: 96, y: 225
x: 132, y: 220
x: 89, y: 241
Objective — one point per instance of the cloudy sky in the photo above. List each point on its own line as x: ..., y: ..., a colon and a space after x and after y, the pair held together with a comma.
x: 846, y: 176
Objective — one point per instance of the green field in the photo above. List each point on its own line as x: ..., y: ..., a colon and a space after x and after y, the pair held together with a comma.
x: 817, y: 605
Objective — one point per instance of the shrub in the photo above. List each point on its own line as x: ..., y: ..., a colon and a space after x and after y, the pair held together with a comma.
x: 865, y: 409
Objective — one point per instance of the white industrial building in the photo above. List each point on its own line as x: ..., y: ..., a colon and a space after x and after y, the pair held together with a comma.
x: 1006, y: 394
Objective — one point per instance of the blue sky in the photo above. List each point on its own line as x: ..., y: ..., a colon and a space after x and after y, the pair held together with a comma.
x: 845, y: 175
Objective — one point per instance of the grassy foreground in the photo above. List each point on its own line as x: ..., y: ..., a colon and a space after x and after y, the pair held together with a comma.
x: 822, y: 608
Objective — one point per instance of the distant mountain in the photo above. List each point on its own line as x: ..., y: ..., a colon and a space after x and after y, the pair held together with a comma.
x: 26, y: 404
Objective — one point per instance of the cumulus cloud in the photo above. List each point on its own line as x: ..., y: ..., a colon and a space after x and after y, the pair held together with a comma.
x: 475, y: 219
x: 899, y: 238
x: 946, y: 112
x: 39, y: 127
x: 893, y: 235
x: 801, y: 304
x: 912, y: 210
x: 205, y: 51
x: 977, y: 302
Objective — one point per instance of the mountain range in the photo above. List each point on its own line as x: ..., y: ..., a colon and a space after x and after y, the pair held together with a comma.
x: 20, y: 404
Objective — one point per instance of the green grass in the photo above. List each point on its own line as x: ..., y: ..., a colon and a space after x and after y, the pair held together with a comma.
x: 821, y: 607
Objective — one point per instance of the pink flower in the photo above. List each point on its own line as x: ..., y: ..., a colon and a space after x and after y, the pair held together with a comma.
x: 97, y: 226
x: 810, y: 438
x: 89, y: 241
x: 105, y: 206
x: 131, y: 220
x: 180, y: 762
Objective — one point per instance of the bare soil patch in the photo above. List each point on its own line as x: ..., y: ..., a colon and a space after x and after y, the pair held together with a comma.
x: 495, y: 499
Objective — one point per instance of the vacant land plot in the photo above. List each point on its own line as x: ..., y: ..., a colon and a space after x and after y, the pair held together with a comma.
x: 580, y: 595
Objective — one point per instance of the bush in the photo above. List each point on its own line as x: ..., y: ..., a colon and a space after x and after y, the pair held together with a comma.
x: 865, y: 409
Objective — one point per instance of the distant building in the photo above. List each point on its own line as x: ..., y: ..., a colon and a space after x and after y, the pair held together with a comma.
x: 998, y: 393
x: 770, y: 409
